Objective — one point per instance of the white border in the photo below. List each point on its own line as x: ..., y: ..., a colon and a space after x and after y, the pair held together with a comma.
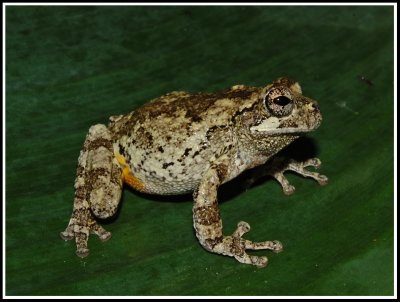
x: 394, y: 4
x: 202, y: 4
x: 395, y: 149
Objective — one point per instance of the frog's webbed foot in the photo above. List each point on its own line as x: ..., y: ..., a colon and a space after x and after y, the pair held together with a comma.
x: 80, y: 226
x: 236, y: 246
x: 279, y: 165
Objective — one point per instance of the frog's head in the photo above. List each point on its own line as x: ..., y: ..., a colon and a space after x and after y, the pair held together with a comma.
x: 283, y: 110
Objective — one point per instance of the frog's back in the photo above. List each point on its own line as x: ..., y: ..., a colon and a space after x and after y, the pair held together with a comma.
x: 169, y: 142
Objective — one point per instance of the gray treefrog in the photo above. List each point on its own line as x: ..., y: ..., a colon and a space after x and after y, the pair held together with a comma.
x: 193, y: 142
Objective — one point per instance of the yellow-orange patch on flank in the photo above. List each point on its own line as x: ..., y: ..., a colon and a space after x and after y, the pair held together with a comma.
x: 132, y: 180
x: 127, y: 176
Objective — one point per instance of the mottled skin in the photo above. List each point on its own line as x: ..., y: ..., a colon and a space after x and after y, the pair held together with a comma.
x: 192, y: 142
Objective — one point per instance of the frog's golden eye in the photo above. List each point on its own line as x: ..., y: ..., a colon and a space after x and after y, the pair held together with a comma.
x: 279, y: 102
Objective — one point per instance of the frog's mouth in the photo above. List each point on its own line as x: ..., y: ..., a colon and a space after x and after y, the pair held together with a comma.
x: 274, y: 126
x: 293, y: 131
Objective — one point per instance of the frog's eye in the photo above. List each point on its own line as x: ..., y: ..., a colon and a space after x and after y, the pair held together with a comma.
x: 279, y: 102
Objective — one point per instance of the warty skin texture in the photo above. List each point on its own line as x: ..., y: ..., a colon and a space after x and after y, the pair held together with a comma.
x: 193, y: 142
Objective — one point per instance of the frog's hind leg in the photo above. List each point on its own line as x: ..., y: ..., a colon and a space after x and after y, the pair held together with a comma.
x: 208, y: 224
x: 98, y: 188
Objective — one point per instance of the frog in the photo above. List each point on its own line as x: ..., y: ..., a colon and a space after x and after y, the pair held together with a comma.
x: 193, y: 142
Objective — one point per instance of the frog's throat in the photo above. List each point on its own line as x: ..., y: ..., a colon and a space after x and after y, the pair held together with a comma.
x: 127, y: 176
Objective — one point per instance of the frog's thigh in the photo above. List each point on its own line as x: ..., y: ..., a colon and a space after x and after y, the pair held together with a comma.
x: 103, y: 175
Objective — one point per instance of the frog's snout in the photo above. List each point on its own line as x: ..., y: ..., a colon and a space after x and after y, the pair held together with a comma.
x: 315, y: 106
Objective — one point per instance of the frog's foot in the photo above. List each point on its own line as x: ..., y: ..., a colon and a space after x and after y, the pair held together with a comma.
x: 236, y: 246
x: 279, y: 166
x: 81, y: 232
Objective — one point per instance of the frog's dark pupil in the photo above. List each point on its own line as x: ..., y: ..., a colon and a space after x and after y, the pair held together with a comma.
x: 282, y: 100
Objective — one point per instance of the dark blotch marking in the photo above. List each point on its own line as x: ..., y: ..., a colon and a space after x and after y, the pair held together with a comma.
x: 98, y: 171
x: 196, y: 153
x: 203, y: 147
x: 195, y: 108
x: 240, y: 113
x: 91, y: 177
x: 210, y: 131
x: 100, y: 142
x: 161, y: 149
x: 206, y: 215
x: 121, y: 150
x: 166, y: 165
x: 149, y: 137
x: 222, y: 171
x: 227, y: 149
x: 187, y: 150
x: 193, y: 115
x: 80, y: 193
x: 235, y: 247
x: 211, y: 243
x: 80, y: 171
x: 284, y: 81
x: 242, y: 94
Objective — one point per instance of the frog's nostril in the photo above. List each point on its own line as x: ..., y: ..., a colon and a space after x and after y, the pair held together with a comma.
x: 315, y: 106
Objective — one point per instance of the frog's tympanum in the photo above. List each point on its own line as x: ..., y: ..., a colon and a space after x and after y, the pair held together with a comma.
x: 193, y: 142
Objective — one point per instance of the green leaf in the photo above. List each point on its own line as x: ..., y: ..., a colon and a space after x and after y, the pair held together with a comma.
x: 68, y: 68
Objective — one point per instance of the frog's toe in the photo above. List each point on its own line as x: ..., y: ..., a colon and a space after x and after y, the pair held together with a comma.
x: 288, y: 189
x: 80, y: 230
x: 81, y: 239
x: 106, y: 236
x: 300, y: 168
x: 82, y: 252
x: 275, y: 245
x: 67, y: 235
x: 100, y: 231
x: 312, y: 162
x: 259, y: 261
x: 237, y: 246
x: 322, y: 179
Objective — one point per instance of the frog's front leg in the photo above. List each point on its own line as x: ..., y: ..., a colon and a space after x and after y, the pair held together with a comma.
x: 208, y: 224
x: 98, y: 188
x: 278, y: 165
